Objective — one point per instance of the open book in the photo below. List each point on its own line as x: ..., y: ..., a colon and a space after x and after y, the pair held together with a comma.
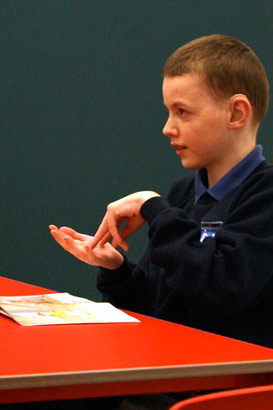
x: 59, y: 308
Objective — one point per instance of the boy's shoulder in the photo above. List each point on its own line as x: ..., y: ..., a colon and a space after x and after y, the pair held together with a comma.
x: 181, y: 190
x: 260, y: 180
x: 262, y: 175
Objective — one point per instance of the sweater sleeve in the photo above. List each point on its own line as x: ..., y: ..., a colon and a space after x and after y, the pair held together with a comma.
x: 125, y: 287
x: 229, y: 272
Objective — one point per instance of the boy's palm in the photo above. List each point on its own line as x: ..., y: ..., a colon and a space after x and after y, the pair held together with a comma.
x: 78, y: 245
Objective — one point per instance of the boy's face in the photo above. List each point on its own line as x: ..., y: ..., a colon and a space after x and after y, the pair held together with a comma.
x: 197, y: 124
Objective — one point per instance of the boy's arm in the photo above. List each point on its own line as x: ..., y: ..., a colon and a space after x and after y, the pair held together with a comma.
x: 127, y: 287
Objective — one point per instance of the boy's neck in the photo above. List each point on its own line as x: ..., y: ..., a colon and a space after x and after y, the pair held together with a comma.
x: 236, y: 156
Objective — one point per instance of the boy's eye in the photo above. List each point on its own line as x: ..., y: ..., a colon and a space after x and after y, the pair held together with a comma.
x: 181, y: 111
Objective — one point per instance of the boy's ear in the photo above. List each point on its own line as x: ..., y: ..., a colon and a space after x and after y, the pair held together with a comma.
x: 239, y: 111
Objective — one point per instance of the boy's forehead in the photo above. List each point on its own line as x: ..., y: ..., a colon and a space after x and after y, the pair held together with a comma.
x: 184, y: 85
x: 183, y: 80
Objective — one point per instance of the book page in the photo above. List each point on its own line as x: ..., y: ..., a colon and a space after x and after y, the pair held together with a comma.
x: 60, y: 308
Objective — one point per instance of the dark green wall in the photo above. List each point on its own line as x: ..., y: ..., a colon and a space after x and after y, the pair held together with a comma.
x: 81, y: 115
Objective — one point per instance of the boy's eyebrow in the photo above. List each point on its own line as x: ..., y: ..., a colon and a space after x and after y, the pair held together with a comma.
x: 178, y: 103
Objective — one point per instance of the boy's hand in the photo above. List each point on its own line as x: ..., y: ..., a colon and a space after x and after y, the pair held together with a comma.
x: 125, y: 209
x: 79, y: 246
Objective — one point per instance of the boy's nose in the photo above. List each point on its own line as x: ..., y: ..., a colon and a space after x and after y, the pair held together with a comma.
x: 169, y: 129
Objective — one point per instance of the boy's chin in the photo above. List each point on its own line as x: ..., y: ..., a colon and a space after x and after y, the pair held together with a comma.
x: 189, y: 165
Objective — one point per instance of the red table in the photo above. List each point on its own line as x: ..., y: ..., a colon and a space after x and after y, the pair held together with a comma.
x: 94, y: 360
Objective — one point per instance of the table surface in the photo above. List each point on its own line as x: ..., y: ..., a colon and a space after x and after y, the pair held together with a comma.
x: 93, y: 360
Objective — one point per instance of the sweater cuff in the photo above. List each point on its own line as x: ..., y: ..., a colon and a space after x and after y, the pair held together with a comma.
x: 153, y: 207
x: 115, y: 276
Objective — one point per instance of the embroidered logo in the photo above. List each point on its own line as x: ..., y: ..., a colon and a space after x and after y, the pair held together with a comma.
x: 208, y: 229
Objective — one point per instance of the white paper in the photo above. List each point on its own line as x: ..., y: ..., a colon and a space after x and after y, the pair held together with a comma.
x: 60, y: 308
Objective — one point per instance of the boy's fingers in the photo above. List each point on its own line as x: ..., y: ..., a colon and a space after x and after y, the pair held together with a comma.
x: 69, y: 245
x: 74, y: 234
x: 100, y: 240
x: 62, y: 238
x: 68, y: 230
x: 101, y: 233
x: 104, y: 240
x: 58, y: 236
x: 52, y: 226
x: 113, y: 227
x: 114, y: 243
x: 124, y: 245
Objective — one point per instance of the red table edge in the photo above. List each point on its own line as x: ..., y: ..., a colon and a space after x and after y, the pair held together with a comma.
x: 135, y: 387
x: 135, y: 374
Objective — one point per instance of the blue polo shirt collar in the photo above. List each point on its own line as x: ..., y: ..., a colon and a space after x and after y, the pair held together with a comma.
x: 231, y: 180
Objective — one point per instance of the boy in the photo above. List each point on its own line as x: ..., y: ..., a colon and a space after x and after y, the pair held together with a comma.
x: 218, y: 279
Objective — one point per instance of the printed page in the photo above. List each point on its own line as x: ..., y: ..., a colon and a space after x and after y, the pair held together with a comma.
x: 59, y: 308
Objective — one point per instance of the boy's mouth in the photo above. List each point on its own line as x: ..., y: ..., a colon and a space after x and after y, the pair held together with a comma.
x: 179, y: 148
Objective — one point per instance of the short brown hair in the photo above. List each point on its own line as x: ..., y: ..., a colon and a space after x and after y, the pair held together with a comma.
x: 228, y: 66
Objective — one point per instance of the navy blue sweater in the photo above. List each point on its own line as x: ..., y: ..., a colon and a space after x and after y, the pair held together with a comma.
x: 223, y: 285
